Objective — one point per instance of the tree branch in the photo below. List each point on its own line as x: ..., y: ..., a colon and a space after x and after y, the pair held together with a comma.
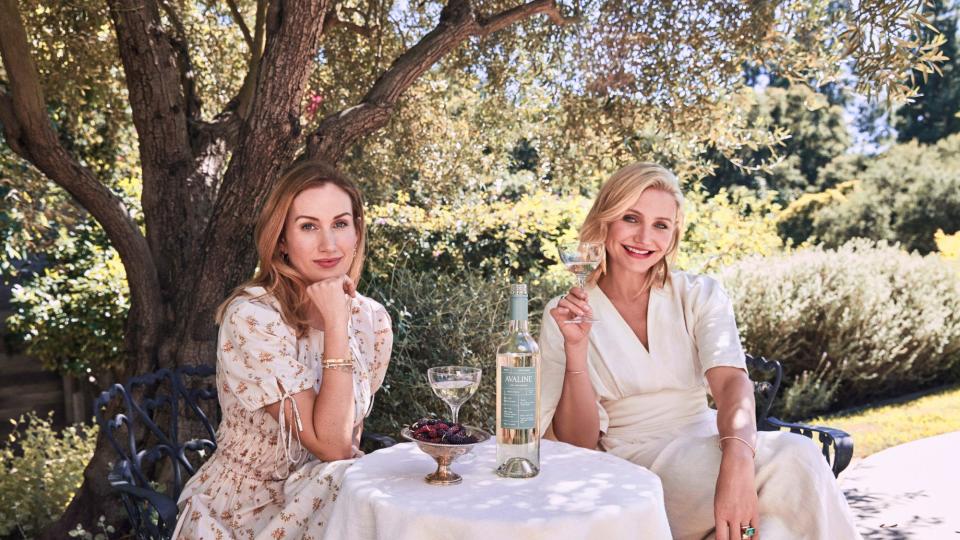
x: 30, y: 134
x: 245, y: 98
x: 506, y: 18
x: 187, y: 77
x: 158, y: 101
x: 339, y: 131
x: 291, y: 31
x: 238, y: 18
x: 225, y: 127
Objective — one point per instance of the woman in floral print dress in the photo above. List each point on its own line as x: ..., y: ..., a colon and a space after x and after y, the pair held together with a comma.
x: 300, y: 357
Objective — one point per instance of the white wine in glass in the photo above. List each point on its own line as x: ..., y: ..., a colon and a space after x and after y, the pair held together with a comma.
x: 454, y: 385
x: 581, y: 258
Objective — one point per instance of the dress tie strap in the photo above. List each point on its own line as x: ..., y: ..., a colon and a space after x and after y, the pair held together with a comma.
x: 284, y: 456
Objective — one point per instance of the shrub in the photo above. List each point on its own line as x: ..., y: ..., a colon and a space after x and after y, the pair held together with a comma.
x: 41, y: 470
x: 903, y: 196
x: 727, y: 227
x: 519, y: 238
x: 497, y: 238
x: 442, y: 319
x: 863, y: 322
x: 795, y: 224
x: 103, y: 531
x: 71, y: 315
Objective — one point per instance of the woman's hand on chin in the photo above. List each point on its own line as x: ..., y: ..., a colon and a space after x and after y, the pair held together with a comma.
x: 331, y: 297
x: 573, y: 304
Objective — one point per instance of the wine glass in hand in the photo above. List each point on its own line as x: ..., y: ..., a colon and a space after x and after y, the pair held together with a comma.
x: 454, y: 385
x: 581, y: 258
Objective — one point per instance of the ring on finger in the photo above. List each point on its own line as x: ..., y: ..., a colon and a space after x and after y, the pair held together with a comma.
x: 747, y: 532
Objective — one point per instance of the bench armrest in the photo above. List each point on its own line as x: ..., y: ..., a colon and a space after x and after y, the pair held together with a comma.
x: 833, y: 441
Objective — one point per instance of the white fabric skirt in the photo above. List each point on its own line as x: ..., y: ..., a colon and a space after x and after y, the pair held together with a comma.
x: 799, y: 497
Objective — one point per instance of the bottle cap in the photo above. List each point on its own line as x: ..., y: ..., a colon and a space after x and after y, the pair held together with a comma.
x: 518, y: 302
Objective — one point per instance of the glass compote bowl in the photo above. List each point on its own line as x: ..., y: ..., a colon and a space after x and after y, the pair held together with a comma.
x: 445, y: 454
x: 581, y: 258
x: 454, y: 385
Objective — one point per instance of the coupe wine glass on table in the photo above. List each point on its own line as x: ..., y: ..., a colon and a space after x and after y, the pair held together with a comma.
x: 454, y: 385
x: 581, y: 258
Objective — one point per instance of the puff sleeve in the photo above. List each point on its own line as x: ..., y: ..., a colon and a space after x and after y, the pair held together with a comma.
x: 257, y: 356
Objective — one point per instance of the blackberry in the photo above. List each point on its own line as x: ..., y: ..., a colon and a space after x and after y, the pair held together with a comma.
x: 459, y: 438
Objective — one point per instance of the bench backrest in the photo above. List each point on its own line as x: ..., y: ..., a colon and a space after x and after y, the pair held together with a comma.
x: 142, y: 421
x: 766, y: 376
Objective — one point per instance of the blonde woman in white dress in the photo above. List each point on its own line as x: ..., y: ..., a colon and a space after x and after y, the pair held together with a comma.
x: 635, y: 384
x: 300, y: 355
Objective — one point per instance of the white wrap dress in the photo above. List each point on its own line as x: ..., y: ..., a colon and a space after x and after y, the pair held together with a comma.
x: 653, y: 411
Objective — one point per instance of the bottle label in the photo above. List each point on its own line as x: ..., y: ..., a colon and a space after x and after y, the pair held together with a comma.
x: 518, y: 397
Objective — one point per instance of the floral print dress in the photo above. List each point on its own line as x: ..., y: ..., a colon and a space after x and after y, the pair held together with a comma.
x: 261, y: 483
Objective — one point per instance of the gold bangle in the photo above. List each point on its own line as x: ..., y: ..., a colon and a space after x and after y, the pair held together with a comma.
x: 340, y: 367
x: 331, y: 363
x: 744, y: 441
x: 576, y: 372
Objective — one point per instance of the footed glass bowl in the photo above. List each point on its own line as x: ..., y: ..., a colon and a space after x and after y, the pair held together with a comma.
x: 445, y: 454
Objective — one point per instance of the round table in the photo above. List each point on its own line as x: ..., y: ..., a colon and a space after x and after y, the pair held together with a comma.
x: 579, y: 494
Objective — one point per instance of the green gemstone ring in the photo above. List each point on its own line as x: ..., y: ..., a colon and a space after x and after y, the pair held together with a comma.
x: 747, y: 532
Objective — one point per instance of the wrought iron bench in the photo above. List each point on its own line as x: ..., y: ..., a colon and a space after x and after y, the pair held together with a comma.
x: 837, y: 445
x: 153, y: 405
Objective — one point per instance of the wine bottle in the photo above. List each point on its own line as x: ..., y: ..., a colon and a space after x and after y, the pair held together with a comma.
x: 518, y: 394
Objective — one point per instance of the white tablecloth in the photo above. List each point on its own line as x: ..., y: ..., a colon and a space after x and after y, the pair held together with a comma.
x: 579, y: 494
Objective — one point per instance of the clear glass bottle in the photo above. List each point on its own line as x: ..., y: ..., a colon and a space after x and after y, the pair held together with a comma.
x: 518, y: 394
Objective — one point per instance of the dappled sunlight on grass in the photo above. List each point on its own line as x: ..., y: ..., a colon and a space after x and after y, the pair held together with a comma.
x: 881, y: 427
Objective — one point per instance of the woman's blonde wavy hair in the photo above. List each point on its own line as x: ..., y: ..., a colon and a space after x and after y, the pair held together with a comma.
x: 274, y: 272
x: 616, y: 196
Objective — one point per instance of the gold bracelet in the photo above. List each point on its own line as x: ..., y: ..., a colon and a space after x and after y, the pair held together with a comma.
x: 340, y: 367
x: 335, y: 365
x: 575, y: 372
x: 744, y: 441
x: 335, y: 362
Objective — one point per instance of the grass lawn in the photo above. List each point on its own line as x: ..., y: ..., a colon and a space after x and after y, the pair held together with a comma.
x: 883, y: 426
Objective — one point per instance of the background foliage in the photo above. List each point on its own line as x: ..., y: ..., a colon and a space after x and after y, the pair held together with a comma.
x: 810, y: 132
x: 71, y: 314
x: 41, y: 468
x: 442, y: 319
x: 904, y: 196
x: 861, y: 322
